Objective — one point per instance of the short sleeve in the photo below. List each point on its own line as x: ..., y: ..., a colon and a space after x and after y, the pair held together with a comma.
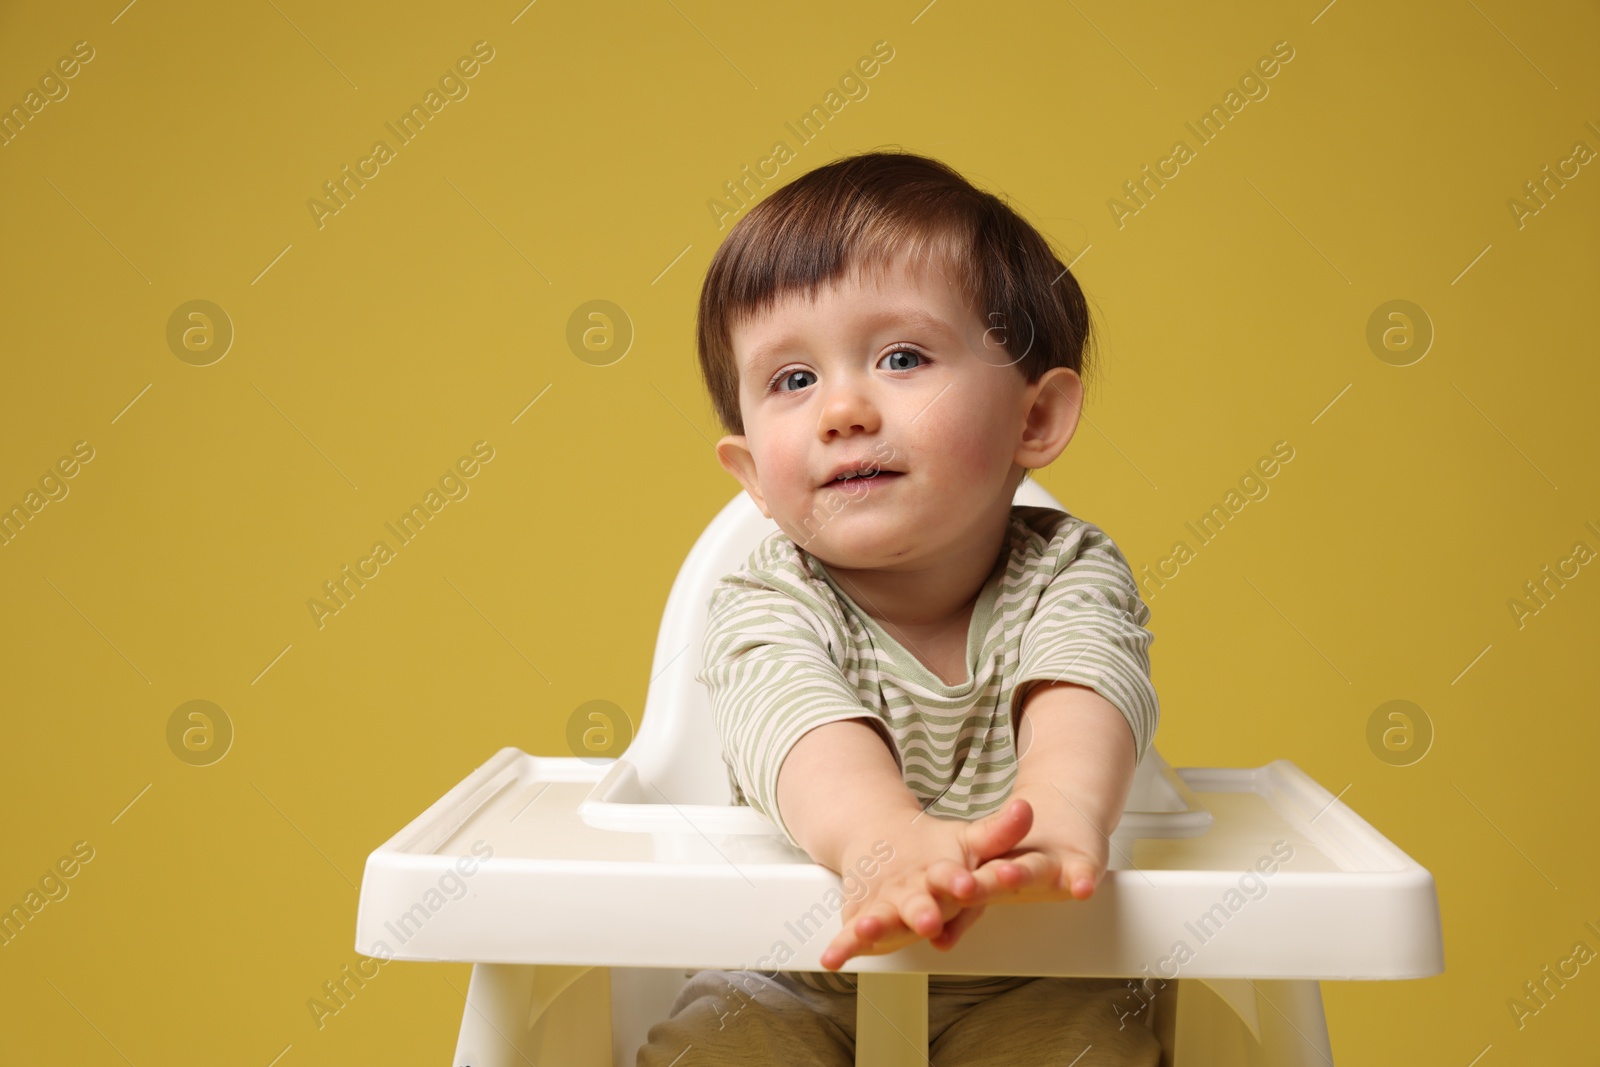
x: 1089, y: 627
x: 771, y: 679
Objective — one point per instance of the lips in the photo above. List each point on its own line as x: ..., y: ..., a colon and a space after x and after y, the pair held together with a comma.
x: 859, y: 480
x: 858, y: 470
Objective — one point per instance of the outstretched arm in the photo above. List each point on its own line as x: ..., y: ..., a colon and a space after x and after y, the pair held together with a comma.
x: 1075, y: 768
x: 1088, y: 711
x: 842, y: 797
x: 802, y: 749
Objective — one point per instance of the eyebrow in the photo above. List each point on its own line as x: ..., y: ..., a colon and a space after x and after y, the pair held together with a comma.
x: 912, y: 319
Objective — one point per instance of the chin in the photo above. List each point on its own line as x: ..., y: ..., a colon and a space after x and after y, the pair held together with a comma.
x: 856, y: 553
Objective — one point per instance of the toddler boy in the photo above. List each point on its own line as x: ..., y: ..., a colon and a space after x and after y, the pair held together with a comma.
x: 912, y: 660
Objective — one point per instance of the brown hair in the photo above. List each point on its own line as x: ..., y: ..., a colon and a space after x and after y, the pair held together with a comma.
x: 863, y: 211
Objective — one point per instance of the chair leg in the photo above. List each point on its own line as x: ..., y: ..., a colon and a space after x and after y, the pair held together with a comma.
x: 1293, y: 1018
x: 891, y: 1019
x: 505, y: 1022
x: 1164, y: 1020
x: 1258, y: 1023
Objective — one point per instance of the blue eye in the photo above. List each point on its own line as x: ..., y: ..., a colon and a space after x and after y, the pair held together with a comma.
x: 785, y: 375
x: 903, y: 352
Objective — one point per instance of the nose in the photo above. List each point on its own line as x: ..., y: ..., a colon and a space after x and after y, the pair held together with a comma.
x: 847, y: 408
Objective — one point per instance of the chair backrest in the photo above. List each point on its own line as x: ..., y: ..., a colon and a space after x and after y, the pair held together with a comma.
x: 677, y: 748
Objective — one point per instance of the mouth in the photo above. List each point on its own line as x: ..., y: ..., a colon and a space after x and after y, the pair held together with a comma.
x: 852, y: 478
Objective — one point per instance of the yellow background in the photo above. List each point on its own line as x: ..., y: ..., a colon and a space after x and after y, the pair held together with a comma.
x: 372, y: 352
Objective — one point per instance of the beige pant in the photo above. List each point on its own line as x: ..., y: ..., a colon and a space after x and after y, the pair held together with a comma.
x: 724, y: 1018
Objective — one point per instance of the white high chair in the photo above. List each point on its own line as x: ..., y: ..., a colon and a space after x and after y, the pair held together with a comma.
x: 593, y: 886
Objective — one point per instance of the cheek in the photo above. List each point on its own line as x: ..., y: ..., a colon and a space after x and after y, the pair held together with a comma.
x: 977, y: 459
x: 964, y: 437
x: 782, y: 463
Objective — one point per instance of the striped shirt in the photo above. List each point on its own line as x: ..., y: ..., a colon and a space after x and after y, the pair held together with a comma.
x: 788, y: 650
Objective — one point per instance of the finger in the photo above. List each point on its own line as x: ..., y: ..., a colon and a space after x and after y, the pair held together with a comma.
x: 953, y: 880
x: 1041, y: 871
x: 889, y: 934
x: 997, y: 833
x: 875, y: 922
x: 953, y: 929
x: 1082, y: 878
x: 921, y: 914
x: 869, y: 925
x: 1022, y: 876
x: 844, y: 945
x: 999, y: 878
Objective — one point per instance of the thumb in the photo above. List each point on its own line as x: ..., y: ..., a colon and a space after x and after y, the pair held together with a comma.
x: 996, y: 834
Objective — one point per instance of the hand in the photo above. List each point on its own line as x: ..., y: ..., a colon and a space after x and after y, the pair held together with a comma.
x: 929, y: 888
x: 1062, y: 857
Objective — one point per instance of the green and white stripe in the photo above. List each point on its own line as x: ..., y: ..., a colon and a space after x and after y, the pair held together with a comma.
x: 787, y: 650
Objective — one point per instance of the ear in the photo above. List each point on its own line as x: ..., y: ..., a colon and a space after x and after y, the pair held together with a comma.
x: 1055, y: 402
x: 735, y: 456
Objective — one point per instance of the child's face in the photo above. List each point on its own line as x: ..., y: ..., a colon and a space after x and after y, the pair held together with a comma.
x: 897, y: 374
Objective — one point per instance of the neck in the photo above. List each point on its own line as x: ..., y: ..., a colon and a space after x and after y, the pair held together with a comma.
x: 922, y: 598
